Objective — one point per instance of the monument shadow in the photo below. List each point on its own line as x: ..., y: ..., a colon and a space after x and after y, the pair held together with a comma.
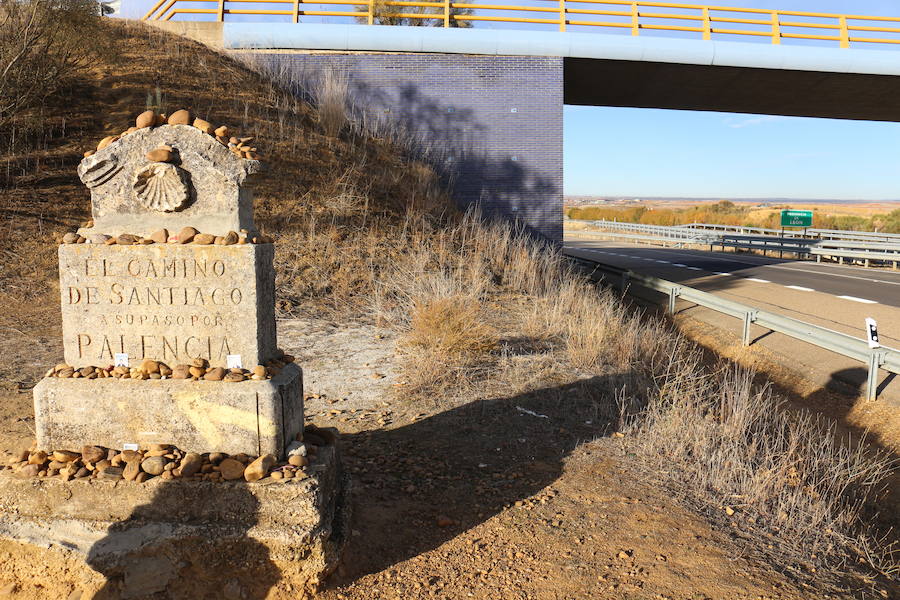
x: 422, y: 484
x: 166, y: 551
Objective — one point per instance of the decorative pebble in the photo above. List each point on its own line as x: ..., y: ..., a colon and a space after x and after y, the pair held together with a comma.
x: 186, y: 235
x: 231, y: 469
x: 70, y: 238
x: 145, y: 119
x: 259, y: 468
x: 204, y: 238
x: 160, y: 155
x: 180, y: 117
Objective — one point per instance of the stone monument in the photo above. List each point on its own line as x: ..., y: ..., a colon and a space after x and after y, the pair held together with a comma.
x: 168, y: 303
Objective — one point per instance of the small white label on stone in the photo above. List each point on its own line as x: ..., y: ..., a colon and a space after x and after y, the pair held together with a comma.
x: 233, y: 361
x: 129, y: 447
x: 122, y: 360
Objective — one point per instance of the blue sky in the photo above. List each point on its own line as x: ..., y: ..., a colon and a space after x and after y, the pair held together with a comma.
x: 645, y: 152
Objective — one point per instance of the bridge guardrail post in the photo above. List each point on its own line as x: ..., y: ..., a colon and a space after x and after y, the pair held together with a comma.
x: 635, y: 15
x: 845, y: 32
x: 707, y: 25
x: 776, y: 28
x: 296, y: 13
x: 562, y: 15
x: 446, y: 13
x: 876, y: 359
x: 220, y: 14
x: 370, y: 18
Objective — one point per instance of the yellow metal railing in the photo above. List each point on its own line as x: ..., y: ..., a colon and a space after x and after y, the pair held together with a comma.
x: 704, y: 20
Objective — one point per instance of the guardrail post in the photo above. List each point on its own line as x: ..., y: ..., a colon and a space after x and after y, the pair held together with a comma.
x: 635, y: 25
x: 876, y: 359
x: 296, y: 14
x: 845, y: 33
x: 776, y: 28
x: 749, y: 317
x: 370, y: 18
x: 562, y: 15
x: 221, y: 14
x: 673, y: 295
x: 446, y: 13
x: 707, y: 26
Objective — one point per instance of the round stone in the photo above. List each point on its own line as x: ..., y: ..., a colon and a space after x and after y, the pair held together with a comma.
x: 107, y: 141
x: 204, y: 238
x: 70, y: 238
x: 64, y: 456
x: 259, y: 468
x: 180, y: 117
x: 149, y: 366
x: 231, y: 469
x: 92, y: 454
x: 234, y: 377
x: 145, y: 119
x: 154, y: 465
x: 160, y: 155
x: 186, y: 235
x: 230, y: 238
x: 160, y: 236
x: 181, y: 372
x: 127, y: 239
x: 204, y: 126
x: 215, y: 374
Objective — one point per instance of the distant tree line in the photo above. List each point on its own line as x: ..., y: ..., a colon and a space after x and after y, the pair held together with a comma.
x: 387, y: 15
x: 729, y: 213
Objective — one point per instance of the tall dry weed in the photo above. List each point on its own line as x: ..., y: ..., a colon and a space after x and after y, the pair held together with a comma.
x: 732, y: 447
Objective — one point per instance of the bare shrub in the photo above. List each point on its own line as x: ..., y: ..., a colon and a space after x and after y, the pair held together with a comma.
x: 332, y: 102
x: 43, y: 43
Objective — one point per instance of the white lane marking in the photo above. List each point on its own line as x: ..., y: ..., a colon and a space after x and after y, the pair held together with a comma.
x: 757, y: 280
x: 695, y: 269
x: 786, y: 265
x: 665, y: 262
x: 721, y: 273
x: 678, y: 265
x: 800, y: 288
x: 855, y: 299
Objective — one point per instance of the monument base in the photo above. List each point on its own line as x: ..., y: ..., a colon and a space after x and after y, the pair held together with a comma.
x: 176, y: 539
x: 250, y: 417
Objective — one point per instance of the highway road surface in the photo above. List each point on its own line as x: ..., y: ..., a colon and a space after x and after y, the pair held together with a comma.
x: 838, y: 297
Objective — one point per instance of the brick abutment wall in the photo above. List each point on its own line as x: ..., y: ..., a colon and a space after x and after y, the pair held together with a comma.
x: 492, y: 125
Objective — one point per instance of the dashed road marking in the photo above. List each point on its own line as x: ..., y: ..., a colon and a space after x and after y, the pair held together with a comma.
x: 678, y: 265
x: 722, y: 273
x: 799, y: 288
x: 855, y: 299
x: 758, y: 280
x: 695, y: 268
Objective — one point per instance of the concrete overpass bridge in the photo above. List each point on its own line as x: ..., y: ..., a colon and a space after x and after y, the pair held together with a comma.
x: 487, y: 103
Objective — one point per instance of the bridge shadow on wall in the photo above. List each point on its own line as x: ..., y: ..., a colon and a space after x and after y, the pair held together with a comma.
x: 418, y: 486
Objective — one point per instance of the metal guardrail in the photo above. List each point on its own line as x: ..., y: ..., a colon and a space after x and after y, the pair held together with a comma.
x: 602, y: 15
x: 863, y: 248
x: 887, y: 359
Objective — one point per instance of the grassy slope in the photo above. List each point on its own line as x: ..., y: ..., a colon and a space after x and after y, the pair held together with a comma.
x: 483, y: 316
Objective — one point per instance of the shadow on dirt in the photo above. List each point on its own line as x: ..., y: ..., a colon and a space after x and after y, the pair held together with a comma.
x: 151, y: 555
x: 422, y: 484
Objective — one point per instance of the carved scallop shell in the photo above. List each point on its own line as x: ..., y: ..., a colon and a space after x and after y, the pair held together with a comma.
x: 97, y: 170
x: 162, y: 187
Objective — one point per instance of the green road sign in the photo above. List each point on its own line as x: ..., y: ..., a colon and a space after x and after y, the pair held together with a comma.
x: 796, y: 218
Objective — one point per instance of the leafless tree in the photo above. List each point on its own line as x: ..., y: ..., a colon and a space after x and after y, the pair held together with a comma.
x: 42, y: 44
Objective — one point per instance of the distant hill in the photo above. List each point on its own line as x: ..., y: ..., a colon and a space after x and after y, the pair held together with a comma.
x: 593, y: 200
